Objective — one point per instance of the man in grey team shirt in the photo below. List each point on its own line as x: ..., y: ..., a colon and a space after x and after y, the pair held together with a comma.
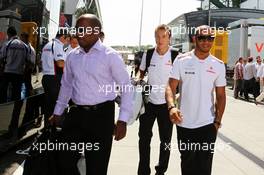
x: 15, y: 55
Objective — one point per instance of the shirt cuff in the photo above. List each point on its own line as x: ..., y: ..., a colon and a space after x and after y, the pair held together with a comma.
x: 59, y: 108
x: 124, y: 116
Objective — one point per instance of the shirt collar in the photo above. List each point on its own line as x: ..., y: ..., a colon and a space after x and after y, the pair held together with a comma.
x: 13, y: 37
x: 97, y: 46
x: 58, y: 41
x: 204, y: 60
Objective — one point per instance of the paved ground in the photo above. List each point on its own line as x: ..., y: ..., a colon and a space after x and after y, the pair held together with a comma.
x: 239, y: 149
x: 239, y: 145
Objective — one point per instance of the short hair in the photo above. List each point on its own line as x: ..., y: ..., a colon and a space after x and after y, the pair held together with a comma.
x: 250, y: 59
x: 240, y: 58
x: 62, y: 32
x: 73, y: 37
x: 25, y: 35
x: 11, y: 31
x: 163, y: 27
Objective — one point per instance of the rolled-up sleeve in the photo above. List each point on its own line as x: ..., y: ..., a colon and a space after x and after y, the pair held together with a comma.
x: 65, y: 90
x: 121, y: 77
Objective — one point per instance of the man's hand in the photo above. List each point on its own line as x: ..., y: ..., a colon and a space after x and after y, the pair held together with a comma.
x: 55, y: 120
x: 120, y: 130
x: 175, y: 116
x: 216, y: 126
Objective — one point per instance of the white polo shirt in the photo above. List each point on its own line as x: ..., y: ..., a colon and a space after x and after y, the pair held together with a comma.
x: 250, y: 71
x: 260, y: 70
x: 158, y: 75
x: 198, y: 79
x: 47, y: 58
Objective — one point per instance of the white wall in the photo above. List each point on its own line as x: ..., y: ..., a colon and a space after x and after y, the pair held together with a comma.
x: 70, y: 6
x: 54, y: 7
x: 253, y: 4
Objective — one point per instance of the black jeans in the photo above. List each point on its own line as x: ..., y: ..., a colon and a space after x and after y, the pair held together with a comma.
x: 257, y: 89
x: 51, y: 87
x: 16, y: 81
x: 250, y: 88
x: 196, y: 147
x: 145, y: 133
x: 94, y: 129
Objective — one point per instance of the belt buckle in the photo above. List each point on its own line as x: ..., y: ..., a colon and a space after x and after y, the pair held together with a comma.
x: 87, y: 108
x: 95, y: 107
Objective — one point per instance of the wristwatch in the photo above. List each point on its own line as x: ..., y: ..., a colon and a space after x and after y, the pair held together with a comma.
x: 170, y: 107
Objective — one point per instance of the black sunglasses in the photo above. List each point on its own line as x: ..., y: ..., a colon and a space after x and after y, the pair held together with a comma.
x: 205, y: 38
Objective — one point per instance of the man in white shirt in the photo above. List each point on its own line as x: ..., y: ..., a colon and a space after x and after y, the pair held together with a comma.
x: 250, y: 79
x: 260, y: 75
x: 238, y: 77
x: 258, y: 68
x: 199, y: 74
x: 158, y: 67
x: 52, y: 59
x: 73, y: 44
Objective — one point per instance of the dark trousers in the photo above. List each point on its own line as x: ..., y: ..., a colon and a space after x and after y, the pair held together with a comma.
x: 249, y: 88
x: 257, y: 89
x: 51, y: 87
x: 238, y: 88
x: 27, y: 80
x: 192, y: 144
x: 146, y: 122
x: 93, y: 128
x: 16, y: 81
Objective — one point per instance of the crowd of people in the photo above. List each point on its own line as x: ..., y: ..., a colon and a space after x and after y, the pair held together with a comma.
x: 249, y: 78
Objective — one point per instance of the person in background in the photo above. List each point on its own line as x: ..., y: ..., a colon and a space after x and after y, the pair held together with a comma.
x: 53, y: 59
x: 15, y: 55
x: 258, y: 68
x: 73, y: 44
x: 238, y: 77
x: 156, y: 109
x: 260, y: 75
x: 29, y: 68
x: 249, y: 78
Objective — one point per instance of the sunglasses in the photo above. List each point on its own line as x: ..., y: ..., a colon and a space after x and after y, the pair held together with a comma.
x: 204, y: 38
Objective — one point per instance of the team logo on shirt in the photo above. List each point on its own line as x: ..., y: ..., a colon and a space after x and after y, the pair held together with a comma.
x: 210, y: 70
x: 168, y: 63
x: 192, y: 73
x: 46, y: 50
